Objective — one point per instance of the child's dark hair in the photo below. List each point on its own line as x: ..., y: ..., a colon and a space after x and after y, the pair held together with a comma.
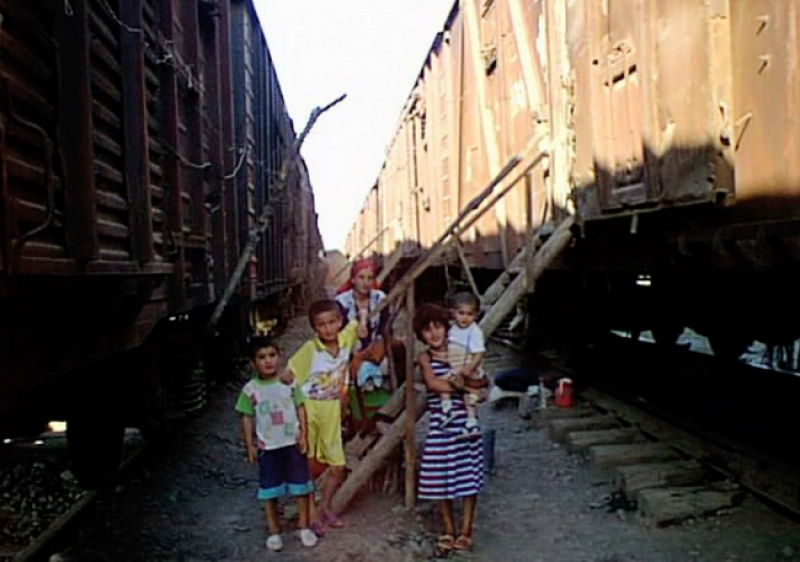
x: 322, y: 306
x: 427, y: 314
x: 258, y: 343
x: 465, y: 298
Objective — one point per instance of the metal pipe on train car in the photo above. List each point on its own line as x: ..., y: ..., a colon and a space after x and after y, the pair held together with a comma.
x: 136, y: 147
x: 75, y: 132
x: 263, y: 219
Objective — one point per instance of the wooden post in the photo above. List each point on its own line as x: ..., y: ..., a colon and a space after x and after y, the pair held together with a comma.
x: 465, y: 264
x: 411, y: 405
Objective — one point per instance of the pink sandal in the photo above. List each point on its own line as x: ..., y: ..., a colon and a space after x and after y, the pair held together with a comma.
x: 317, y: 528
x: 333, y: 521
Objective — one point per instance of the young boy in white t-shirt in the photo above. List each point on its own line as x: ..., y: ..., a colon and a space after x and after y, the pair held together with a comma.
x: 465, y: 350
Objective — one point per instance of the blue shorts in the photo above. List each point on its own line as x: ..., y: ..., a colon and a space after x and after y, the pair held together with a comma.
x: 283, y: 472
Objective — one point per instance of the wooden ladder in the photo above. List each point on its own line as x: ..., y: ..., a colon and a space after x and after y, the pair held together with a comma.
x: 369, y: 453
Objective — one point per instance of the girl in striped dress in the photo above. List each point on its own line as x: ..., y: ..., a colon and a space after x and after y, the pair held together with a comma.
x: 451, y: 466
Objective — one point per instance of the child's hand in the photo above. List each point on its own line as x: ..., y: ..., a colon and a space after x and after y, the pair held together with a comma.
x: 286, y: 376
x: 456, y: 381
x: 252, y: 453
x: 302, y: 442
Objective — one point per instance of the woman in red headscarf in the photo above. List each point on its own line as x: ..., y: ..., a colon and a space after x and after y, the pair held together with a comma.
x: 361, y: 296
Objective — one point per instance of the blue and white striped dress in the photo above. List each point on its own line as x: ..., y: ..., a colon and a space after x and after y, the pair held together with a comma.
x: 450, y: 468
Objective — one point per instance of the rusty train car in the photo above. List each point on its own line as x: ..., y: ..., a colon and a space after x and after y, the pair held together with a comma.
x: 671, y: 132
x: 139, y: 139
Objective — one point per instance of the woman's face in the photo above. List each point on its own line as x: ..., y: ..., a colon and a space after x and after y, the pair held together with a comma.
x: 363, y: 281
x: 435, y: 335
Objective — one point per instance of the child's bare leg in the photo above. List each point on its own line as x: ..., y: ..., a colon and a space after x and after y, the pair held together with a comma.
x: 470, y: 507
x: 303, y: 509
x: 271, y: 515
x: 448, y: 521
x: 315, y: 469
x: 333, y: 480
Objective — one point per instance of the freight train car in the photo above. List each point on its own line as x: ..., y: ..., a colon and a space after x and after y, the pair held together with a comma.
x: 137, y: 140
x: 671, y: 130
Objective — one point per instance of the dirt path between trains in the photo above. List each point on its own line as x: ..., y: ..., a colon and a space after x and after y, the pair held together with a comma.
x: 196, y: 504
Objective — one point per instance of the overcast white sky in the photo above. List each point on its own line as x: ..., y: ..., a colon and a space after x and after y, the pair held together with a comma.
x: 371, y: 50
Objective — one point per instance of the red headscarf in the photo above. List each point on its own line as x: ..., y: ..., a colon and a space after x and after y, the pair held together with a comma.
x: 357, y: 267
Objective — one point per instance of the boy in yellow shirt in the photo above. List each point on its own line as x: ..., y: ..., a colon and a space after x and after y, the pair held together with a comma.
x: 320, y: 369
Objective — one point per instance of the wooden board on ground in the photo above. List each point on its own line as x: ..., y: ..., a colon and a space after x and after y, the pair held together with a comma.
x: 624, y: 455
x: 630, y: 480
x: 559, y: 429
x: 667, y: 506
x: 578, y: 441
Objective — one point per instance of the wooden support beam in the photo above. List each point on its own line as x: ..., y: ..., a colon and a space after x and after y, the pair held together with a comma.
x: 136, y: 139
x: 497, y: 287
x: 75, y: 132
x: 475, y: 210
x: 364, y: 470
x: 411, y: 402
x: 554, y: 245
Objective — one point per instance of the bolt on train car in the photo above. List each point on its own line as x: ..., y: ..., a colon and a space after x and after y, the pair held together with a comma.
x: 671, y: 131
x: 139, y: 140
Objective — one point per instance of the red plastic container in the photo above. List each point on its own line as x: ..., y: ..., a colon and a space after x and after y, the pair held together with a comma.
x: 565, y: 395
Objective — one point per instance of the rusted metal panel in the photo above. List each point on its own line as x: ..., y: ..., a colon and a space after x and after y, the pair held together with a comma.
x: 648, y: 103
x: 478, y: 100
x: 764, y: 122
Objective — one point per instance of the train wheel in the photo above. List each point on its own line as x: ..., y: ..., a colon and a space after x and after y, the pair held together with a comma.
x: 95, y: 433
x: 727, y: 346
x: 667, y: 334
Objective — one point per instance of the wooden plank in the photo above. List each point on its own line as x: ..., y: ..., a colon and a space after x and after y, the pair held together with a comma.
x: 578, y: 441
x: 136, y: 142
x: 622, y: 455
x: 411, y: 410
x: 632, y: 479
x: 363, y: 471
x: 560, y: 429
x: 476, y: 208
x: 75, y: 132
x: 668, y: 506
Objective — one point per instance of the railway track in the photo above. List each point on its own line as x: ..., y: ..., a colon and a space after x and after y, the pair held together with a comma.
x: 665, y: 460
x: 40, y: 497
